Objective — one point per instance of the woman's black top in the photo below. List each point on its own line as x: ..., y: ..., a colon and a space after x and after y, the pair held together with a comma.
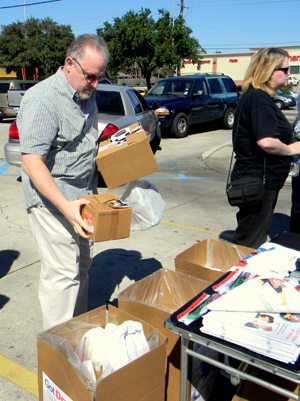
x: 257, y: 117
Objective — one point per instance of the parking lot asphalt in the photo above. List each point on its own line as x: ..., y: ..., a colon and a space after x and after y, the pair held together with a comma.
x: 191, y: 180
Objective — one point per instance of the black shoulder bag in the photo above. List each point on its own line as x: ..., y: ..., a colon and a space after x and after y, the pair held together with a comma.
x: 245, y: 191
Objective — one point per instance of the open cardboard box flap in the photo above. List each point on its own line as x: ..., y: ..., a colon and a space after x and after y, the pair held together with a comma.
x: 210, y: 259
x: 154, y: 299
x: 139, y: 380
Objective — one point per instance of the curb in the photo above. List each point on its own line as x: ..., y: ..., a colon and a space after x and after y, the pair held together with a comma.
x: 208, y: 153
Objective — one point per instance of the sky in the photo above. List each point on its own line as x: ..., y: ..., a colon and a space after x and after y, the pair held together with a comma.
x: 218, y: 25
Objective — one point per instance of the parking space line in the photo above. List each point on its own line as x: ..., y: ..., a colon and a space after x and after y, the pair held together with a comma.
x: 5, y: 167
x: 18, y: 375
x: 187, y: 227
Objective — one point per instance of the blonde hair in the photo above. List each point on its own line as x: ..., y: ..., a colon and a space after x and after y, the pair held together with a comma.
x: 262, y: 67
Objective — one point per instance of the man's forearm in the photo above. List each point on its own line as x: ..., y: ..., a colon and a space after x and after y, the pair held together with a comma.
x: 42, y: 179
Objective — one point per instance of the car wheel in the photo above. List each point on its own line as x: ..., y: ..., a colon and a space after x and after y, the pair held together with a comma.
x: 228, y: 119
x: 180, y: 126
x: 279, y: 104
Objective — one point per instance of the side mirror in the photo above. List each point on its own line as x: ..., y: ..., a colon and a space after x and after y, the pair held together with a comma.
x: 154, y: 106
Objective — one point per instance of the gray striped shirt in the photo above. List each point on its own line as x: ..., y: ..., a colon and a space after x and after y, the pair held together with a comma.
x: 52, y: 124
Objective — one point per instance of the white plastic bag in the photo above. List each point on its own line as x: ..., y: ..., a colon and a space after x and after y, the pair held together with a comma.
x: 146, y: 202
x: 115, y: 346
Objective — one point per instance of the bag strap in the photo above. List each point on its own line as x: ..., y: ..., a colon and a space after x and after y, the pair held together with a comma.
x: 232, y: 153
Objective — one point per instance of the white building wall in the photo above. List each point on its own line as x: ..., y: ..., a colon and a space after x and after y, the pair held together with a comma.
x: 235, y: 64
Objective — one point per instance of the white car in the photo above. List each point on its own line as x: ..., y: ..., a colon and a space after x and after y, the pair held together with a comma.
x: 293, y: 80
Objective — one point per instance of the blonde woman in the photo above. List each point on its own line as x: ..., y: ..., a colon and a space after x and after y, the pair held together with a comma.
x: 262, y: 142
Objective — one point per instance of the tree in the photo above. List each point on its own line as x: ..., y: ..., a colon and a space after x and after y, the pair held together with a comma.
x: 36, y: 43
x: 137, y: 39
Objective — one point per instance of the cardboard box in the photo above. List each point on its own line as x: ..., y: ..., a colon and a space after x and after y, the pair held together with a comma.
x: 210, y: 259
x: 141, y: 380
x: 106, y: 221
x: 154, y: 299
x: 132, y: 160
x: 248, y: 391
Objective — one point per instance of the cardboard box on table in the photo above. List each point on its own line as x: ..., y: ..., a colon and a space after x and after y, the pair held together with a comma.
x: 210, y: 259
x: 154, y: 299
x: 128, y: 162
x: 141, y: 380
x: 107, y: 222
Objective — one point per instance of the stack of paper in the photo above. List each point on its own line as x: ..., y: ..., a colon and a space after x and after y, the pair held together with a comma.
x: 256, y: 306
x: 271, y: 334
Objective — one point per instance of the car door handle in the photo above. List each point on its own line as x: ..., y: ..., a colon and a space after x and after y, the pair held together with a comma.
x: 209, y: 101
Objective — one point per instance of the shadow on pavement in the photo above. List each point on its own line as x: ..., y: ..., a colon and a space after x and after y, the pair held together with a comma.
x: 7, y: 258
x: 3, y: 300
x: 110, y: 267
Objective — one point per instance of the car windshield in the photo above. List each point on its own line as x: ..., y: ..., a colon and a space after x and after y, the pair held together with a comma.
x: 174, y: 87
x: 109, y: 102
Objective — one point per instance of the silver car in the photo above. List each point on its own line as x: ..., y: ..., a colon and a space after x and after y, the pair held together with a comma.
x: 118, y: 107
x: 283, y: 100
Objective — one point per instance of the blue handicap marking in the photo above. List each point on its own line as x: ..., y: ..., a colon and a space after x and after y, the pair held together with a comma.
x: 179, y: 175
x: 4, y: 168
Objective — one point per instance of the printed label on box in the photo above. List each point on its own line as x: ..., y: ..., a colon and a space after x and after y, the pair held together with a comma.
x: 89, y: 219
x: 51, y: 392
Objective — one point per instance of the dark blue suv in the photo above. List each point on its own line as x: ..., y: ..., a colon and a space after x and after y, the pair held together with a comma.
x: 191, y: 99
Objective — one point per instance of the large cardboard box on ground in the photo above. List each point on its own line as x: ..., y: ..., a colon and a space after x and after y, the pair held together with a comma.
x: 106, y: 221
x: 141, y: 380
x: 134, y: 159
x: 210, y: 259
x: 248, y: 391
x: 154, y: 299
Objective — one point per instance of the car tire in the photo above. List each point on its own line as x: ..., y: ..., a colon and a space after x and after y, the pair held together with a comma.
x: 180, y: 126
x: 228, y: 119
x: 279, y: 104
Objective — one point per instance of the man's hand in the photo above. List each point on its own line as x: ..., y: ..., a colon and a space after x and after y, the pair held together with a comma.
x: 72, y: 212
x: 35, y: 168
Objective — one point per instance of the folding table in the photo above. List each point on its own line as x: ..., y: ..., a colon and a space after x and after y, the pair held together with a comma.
x: 191, y: 335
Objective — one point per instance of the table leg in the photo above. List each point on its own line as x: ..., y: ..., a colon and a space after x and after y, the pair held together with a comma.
x: 183, y: 369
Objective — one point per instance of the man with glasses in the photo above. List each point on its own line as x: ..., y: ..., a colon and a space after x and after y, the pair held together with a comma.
x: 59, y: 136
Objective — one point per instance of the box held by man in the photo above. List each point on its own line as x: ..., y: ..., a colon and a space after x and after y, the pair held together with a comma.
x: 107, y: 216
x: 126, y: 160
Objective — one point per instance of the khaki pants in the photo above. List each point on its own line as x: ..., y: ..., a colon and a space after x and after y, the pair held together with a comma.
x: 65, y: 261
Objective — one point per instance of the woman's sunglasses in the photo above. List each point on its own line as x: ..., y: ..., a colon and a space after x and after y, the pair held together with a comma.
x: 283, y: 69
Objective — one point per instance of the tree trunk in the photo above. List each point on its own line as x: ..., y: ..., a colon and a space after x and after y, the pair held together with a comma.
x: 148, y: 83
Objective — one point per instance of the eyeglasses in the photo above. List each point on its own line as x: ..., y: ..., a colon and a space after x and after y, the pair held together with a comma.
x: 89, y: 77
x: 283, y: 69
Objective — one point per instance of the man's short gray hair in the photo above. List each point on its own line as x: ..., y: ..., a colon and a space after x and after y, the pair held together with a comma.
x: 78, y: 47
